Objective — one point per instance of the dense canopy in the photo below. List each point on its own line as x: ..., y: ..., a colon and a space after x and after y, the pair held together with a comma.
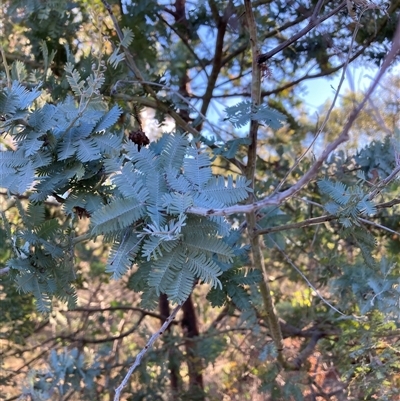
x: 175, y: 223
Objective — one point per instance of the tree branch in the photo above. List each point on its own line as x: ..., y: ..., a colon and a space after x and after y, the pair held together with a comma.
x: 307, y: 351
x: 222, y: 23
x: 269, y: 313
x: 86, y: 340
x: 120, y: 308
x: 4, y: 270
x: 141, y: 354
x: 279, y: 198
x: 312, y: 24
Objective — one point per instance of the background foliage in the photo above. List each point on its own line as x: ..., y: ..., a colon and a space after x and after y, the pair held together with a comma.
x: 149, y: 158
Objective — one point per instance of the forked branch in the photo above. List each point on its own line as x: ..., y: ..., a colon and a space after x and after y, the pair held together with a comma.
x: 279, y: 198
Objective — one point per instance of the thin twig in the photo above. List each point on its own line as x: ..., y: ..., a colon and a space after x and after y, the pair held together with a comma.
x: 119, y: 308
x: 156, y: 104
x: 306, y: 223
x: 317, y: 9
x: 372, y: 223
x: 222, y: 23
x: 141, y: 354
x: 312, y: 24
x: 382, y: 184
x: 133, y: 67
x: 114, y: 90
x: 146, y: 101
x: 379, y: 119
x: 186, y: 43
x: 277, y: 199
x: 6, y: 67
x: 325, y: 122
x: 289, y: 260
x: 326, y: 218
x: 129, y: 58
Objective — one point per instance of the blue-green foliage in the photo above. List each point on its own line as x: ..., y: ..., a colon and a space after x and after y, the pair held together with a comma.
x: 42, y: 264
x: 228, y: 149
x: 66, y: 370
x: 375, y: 286
x: 378, y: 156
x: 240, y: 114
x: 370, y: 282
x: 348, y: 203
x: 234, y: 285
x: 57, y: 150
x: 136, y: 198
x: 154, y: 187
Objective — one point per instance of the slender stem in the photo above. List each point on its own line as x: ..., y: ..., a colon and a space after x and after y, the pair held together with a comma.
x: 222, y: 23
x: 141, y: 354
x: 269, y: 314
x: 280, y: 197
x: 327, y: 117
x: 312, y: 24
x: 6, y: 67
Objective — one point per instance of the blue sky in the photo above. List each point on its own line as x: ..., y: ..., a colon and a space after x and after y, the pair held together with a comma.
x: 319, y: 90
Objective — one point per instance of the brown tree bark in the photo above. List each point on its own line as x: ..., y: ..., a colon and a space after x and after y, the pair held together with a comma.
x: 173, y: 366
x: 195, y: 364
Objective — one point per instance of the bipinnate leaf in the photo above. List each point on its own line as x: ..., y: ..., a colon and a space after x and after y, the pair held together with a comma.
x: 119, y: 214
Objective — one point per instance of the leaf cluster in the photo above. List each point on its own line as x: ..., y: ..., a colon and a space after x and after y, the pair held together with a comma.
x: 147, y: 217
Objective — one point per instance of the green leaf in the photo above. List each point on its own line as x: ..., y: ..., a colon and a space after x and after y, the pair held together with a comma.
x: 127, y: 38
x: 272, y: 118
x: 176, y: 203
x: 108, y: 119
x: 227, y: 193
x: 336, y: 190
x: 119, y: 214
x: 87, y: 150
x: 205, y: 269
x: 122, y: 254
x: 181, y: 286
x: 240, y: 114
x: 202, y: 245
x: 173, y: 151
x: 196, y: 166
x: 365, y: 206
x: 163, y: 269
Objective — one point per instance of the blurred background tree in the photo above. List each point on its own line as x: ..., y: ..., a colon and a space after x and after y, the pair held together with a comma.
x: 195, y: 61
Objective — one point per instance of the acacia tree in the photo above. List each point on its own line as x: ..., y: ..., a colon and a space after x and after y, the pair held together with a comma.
x: 238, y: 204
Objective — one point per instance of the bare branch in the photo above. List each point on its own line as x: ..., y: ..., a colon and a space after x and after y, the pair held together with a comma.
x: 326, y: 218
x: 328, y: 114
x: 379, y: 119
x: 156, y: 104
x: 4, y: 271
x: 119, y: 308
x: 287, y: 258
x: 312, y: 24
x: 372, y: 223
x: 308, y: 350
x: 222, y: 23
x: 279, y: 198
x: 306, y: 223
x: 129, y: 58
x: 141, y: 354
x: 382, y: 184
